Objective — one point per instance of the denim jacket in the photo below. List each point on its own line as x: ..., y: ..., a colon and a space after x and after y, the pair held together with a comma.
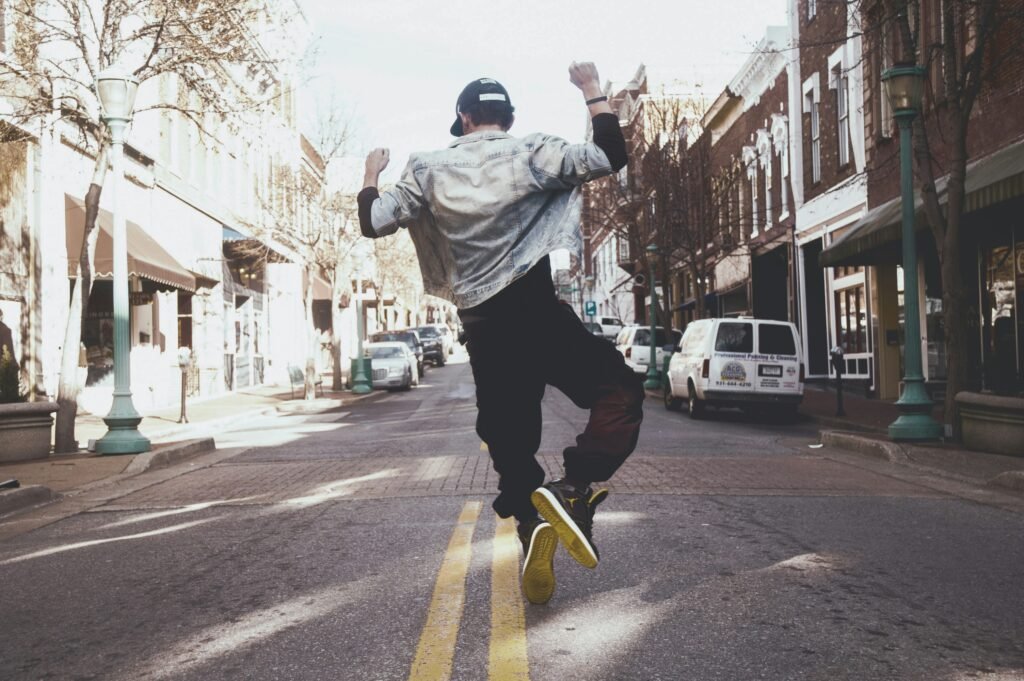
x: 487, y: 208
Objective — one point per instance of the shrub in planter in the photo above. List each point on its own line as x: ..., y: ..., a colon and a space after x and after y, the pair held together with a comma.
x: 24, y: 426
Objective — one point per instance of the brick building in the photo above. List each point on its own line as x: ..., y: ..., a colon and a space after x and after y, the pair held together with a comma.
x: 991, y: 241
x: 829, y: 185
x: 747, y: 262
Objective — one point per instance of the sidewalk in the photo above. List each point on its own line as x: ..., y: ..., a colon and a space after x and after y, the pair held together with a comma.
x: 864, y: 429
x: 59, y: 474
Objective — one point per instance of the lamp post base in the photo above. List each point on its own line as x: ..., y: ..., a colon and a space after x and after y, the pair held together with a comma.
x: 653, y: 381
x: 361, y: 372
x: 123, y: 436
x: 914, y: 427
x: 915, y: 423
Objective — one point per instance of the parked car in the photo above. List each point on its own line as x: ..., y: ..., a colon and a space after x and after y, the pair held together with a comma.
x: 742, y: 362
x: 394, y: 365
x: 634, y: 342
x: 447, y: 339
x: 433, y: 344
x: 594, y: 328
x: 610, y: 326
x: 408, y: 336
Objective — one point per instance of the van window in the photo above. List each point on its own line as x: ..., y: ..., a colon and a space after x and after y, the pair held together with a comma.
x: 775, y: 339
x: 735, y: 337
x: 611, y: 321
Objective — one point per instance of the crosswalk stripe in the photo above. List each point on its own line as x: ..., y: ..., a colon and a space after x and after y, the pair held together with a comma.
x: 436, y: 649
x: 508, y: 660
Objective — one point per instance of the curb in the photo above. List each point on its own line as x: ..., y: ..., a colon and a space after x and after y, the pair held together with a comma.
x: 22, y: 498
x: 169, y: 455
x: 316, y: 406
x: 880, y: 449
x: 1013, y: 480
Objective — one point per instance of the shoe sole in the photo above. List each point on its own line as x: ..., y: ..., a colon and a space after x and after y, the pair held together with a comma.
x: 539, y: 565
x: 572, y: 537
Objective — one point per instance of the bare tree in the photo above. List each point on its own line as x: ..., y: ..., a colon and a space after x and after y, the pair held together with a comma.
x: 676, y: 195
x: 301, y: 212
x: 207, y: 48
x: 397, y: 268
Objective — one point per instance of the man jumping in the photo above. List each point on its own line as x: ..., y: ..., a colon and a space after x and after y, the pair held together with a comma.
x: 484, y: 214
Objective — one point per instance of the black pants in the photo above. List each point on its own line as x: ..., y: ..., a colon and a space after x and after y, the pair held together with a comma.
x: 523, y: 340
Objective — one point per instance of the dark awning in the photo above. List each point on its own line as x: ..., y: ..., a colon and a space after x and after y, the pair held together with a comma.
x: 146, y: 258
x: 875, y: 239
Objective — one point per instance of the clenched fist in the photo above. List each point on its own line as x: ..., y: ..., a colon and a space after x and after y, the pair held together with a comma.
x: 377, y: 161
x: 584, y: 76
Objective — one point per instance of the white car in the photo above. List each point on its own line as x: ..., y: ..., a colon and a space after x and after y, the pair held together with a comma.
x: 741, y: 362
x: 634, y: 342
x: 610, y: 326
x: 393, y: 365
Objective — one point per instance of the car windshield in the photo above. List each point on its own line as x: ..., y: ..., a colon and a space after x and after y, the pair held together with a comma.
x: 428, y: 332
x: 775, y: 339
x: 735, y: 337
x: 643, y: 337
x: 386, y: 353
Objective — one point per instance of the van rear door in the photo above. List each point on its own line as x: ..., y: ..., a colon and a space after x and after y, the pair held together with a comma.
x: 778, y: 359
x: 732, y: 366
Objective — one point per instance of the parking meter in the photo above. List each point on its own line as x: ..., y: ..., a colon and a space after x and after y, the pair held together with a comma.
x: 839, y: 365
x: 184, y: 363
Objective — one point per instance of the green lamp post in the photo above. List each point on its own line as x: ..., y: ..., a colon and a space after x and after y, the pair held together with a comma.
x: 903, y: 86
x: 362, y: 367
x: 116, y: 89
x: 653, y: 381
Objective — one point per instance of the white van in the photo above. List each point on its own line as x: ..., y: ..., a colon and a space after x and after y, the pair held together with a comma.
x: 737, y: 362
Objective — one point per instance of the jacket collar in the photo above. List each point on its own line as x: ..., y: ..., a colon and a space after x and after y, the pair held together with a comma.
x: 478, y: 136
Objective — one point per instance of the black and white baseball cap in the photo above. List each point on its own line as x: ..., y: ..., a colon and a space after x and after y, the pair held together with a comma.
x: 480, y: 90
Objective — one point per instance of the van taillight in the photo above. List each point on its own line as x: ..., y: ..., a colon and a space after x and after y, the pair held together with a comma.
x: 629, y: 352
x: 706, y: 369
x: 801, y: 372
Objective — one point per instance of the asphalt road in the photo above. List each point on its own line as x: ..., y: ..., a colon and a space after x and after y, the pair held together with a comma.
x: 360, y: 545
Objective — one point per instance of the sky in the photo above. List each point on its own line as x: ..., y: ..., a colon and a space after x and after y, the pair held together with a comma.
x: 396, y: 67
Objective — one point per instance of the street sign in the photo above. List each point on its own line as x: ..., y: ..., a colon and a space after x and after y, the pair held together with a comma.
x: 590, y: 308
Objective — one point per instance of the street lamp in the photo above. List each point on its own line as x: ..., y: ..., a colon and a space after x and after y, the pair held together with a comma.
x: 116, y: 88
x: 903, y: 86
x: 362, y: 381
x: 653, y: 381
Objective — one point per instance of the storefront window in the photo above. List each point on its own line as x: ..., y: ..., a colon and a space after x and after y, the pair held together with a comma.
x: 851, y: 319
x: 98, y: 332
x: 1002, y: 281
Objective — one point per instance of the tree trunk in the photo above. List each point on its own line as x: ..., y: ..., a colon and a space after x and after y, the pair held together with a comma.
x: 69, y: 386
x: 954, y: 313
x: 311, y: 337
x: 336, y: 293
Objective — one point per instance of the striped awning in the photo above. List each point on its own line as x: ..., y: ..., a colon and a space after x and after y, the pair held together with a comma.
x: 146, y: 258
x: 876, y: 238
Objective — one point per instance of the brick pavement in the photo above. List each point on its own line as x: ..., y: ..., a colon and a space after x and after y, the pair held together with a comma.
x: 311, y: 482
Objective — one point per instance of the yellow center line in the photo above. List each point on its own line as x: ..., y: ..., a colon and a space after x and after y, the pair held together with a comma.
x: 433, y: 661
x: 508, y: 661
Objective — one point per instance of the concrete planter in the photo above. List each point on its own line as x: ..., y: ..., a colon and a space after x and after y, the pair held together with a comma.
x: 992, y: 423
x: 25, y: 430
